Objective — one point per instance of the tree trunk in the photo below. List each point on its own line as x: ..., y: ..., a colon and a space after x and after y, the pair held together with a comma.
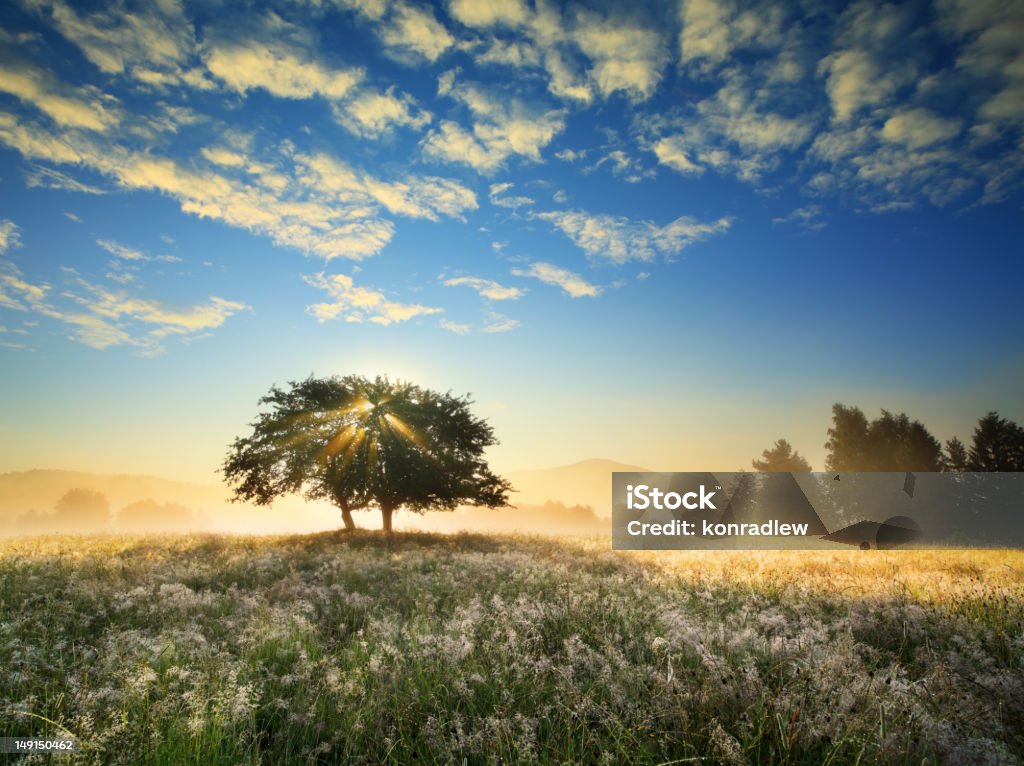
x: 386, y: 513
x: 346, y: 516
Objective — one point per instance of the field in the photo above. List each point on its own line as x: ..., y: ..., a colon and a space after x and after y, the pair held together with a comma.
x: 338, y: 648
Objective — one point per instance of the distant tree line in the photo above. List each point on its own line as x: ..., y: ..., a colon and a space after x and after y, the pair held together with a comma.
x: 80, y: 511
x: 896, y: 443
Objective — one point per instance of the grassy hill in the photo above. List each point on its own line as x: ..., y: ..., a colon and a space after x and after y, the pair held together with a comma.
x: 357, y: 648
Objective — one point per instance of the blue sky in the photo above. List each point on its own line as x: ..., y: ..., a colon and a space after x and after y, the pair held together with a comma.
x: 666, y: 233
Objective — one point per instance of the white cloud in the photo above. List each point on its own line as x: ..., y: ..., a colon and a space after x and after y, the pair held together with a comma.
x: 410, y: 28
x: 361, y: 304
x: 808, y: 217
x: 101, y: 318
x: 121, y: 251
x: 672, y: 152
x: 497, y: 197
x: 152, y: 43
x: 513, y: 53
x: 483, y: 15
x: 313, y: 203
x: 458, y: 328
x: 373, y: 113
x: 277, y: 58
x: 501, y: 128
x: 487, y: 288
x: 918, y: 128
x: 68, y: 107
x: 499, y: 323
x: 574, y: 285
x: 627, y: 57
x: 712, y: 30
x: 619, y: 240
x: 9, y: 236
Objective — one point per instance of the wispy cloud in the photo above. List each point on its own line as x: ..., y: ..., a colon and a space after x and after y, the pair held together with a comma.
x: 487, y: 288
x: 276, y: 58
x: 501, y: 128
x: 620, y: 240
x: 499, y: 198
x: 41, y: 177
x: 373, y: 113
x: 361, y: 304
x: 9, y: 235
x: 574, y: 285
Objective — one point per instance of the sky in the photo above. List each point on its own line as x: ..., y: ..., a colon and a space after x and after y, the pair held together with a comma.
x: 662, y: 233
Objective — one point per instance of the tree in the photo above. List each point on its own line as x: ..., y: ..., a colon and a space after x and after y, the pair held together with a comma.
x: 781, y: 457
x: 997, y: 445
x: 81, y: 510
x: 362, y: 443
x: 955, y: 458
x: 888, y: 443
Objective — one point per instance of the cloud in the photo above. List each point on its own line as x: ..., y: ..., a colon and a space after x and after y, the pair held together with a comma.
x: 415, y: 196
x: 501, y: 128
x: 151, y: 43
x: 121, y: 251
x: 808, y: 217
x: 496, y: 196
x: 311, y: 202
x: 499, y: 323
x: 372, y: 113
x: 41, y: 177
x: 672, y: 152
x: 9, y: 236
x: 733, y: 132
x: 713, y: 30
x: 277, y: 58
x: 101, y: 318
x: 413, y: 29
x: 483, y: 15
x: 487, y: 288
x: 624, y: 166
x: 619, y: 240
x: 67, y: 106
x: 918, y: 128
x: 456, y: 327
x: 627, y: 57
x: 361, y: 304
x: 573, y: 284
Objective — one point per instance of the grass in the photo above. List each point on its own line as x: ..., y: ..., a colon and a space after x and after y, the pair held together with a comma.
x: 355, y: 648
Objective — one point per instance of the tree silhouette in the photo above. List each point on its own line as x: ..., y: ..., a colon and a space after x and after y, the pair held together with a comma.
x: 781, y: 457
x: 997, y: 445
x: 955, y: 458
x: 888, y: 443
x: 362, y: 443
x: 81, y: 510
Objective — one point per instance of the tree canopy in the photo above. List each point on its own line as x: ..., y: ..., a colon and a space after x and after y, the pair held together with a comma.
x: 887, y: 443
x: 781, y: 457
x: 997, y: 445
x: 362, y: 443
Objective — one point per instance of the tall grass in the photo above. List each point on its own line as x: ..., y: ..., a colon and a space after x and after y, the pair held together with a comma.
x: 354, y: 648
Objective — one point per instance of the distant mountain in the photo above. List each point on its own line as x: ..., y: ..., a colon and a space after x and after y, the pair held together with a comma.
x: 585, y: 483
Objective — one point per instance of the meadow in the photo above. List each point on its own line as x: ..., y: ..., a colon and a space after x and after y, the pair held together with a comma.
x: 464, y: 649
